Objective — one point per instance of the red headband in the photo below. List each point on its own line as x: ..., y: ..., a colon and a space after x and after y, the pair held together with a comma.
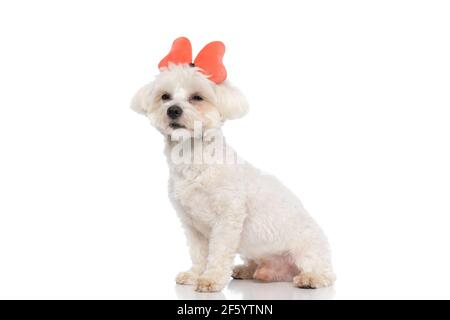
x: 209, y: 59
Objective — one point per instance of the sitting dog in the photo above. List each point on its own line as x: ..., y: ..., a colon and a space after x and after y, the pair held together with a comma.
x: 226, y: 207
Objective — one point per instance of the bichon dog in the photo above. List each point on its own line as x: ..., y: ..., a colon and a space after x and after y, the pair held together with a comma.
x: 226, y: 207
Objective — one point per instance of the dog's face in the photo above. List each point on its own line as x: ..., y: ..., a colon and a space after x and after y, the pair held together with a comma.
x: 180, y: 96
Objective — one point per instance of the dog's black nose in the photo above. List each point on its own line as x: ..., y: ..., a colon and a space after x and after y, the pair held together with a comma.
x: 174, y: 112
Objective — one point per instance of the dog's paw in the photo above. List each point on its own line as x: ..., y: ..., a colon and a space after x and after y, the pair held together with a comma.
x: 311, y: 280
x: 209, y: 284
x: 187, y: 277
x: 243, y: 272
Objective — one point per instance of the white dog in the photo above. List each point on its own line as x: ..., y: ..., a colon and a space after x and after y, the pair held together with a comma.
x: 228, y: 208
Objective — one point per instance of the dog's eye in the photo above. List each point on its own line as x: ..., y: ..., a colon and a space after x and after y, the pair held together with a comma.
x: 165, y: 97
x: 196, y: 97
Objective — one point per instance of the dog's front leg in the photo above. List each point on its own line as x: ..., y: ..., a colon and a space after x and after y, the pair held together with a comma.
x: 198, y: 249
x: 223, y: 244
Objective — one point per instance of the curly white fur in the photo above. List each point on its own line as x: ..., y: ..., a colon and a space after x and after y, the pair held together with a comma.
x: 230, y: 208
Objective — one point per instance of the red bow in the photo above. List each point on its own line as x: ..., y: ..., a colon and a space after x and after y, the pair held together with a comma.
x: 209, y: 59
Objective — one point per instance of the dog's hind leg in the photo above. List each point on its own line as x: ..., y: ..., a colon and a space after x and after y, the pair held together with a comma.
x: 244, y: 271
x: 315, y: 269
x: 275, y: 268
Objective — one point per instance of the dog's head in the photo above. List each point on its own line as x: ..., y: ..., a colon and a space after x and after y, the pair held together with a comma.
x: 182, y: 95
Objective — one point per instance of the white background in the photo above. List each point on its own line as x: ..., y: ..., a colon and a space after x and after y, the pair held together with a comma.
x: 349, y: 108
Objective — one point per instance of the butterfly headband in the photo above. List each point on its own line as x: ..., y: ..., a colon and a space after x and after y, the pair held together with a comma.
x: 209, y: 59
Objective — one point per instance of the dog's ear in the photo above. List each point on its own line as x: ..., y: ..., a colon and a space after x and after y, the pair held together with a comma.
x: 141, y: 100
x: 231, y: 103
